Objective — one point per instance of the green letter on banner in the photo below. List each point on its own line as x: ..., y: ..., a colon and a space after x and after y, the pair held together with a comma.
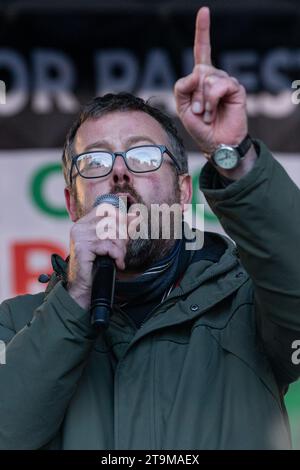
x: 37, y: 193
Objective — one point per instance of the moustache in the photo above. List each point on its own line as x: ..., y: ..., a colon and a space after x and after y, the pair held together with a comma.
x: 132, y: 196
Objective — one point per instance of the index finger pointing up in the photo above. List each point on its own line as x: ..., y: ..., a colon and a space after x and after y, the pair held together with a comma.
x: 202, y: 48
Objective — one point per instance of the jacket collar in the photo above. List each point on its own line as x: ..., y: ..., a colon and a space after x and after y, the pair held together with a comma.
x: 204, y: 285
x: 60, y: 269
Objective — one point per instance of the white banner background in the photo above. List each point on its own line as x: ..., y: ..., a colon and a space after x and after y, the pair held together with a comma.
x: 30, y: 179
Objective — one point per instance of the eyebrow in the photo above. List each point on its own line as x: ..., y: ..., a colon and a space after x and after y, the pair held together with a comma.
x: 130, y: 141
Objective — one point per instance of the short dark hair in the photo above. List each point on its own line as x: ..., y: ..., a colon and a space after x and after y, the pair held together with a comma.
x: 110, y: 102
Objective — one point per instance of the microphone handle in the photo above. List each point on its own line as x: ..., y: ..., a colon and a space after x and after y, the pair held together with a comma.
x: 103, y: 287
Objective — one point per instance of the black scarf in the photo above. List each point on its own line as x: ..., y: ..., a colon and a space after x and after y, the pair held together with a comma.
x: 139, y: 296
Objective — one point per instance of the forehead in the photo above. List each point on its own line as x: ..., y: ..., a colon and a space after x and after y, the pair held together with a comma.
x: 116, y: 129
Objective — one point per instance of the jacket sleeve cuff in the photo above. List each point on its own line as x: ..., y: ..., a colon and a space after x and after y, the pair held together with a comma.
x: 68, y: 310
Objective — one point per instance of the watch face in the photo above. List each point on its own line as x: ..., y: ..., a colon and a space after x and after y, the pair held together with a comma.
x: 226, y: 157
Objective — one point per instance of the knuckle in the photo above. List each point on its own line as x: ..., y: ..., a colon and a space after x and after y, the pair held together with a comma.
x: 210, y: 79
x: 242, y: 89
x: 201, y: 70
x: 235, y: 80
x: 222, y: 73
x: 102, y: 248
x: 178, y: 83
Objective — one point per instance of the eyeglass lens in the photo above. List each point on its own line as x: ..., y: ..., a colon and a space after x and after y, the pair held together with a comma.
x: 139, y: 159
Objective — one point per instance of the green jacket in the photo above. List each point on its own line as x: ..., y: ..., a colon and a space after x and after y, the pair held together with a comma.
x: 207, y: 371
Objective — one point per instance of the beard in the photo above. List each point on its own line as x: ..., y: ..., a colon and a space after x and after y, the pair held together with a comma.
x: 146, y: 251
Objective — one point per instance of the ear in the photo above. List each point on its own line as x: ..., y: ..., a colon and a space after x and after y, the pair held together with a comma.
x: 185, y: 185
x: 71, y: 204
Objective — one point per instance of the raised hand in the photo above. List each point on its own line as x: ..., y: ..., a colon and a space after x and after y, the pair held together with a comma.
x: 210, y: 104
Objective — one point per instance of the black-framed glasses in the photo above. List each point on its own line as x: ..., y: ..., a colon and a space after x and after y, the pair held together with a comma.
x: 140, y: 159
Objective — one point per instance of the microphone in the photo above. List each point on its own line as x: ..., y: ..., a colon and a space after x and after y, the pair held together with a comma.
x: 104, y: 275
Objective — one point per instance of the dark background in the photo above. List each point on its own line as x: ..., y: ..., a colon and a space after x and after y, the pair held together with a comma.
x: 80, y: 28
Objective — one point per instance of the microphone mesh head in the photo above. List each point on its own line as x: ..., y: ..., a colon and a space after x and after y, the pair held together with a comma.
x: 112, y: 199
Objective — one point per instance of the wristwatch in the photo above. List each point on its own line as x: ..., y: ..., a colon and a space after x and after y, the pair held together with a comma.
x: 229, y: 157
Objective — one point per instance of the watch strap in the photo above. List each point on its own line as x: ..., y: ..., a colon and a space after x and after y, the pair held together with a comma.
x: 244, y: 146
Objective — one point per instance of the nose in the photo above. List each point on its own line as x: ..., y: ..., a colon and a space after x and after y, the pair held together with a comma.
x: 120, y: 172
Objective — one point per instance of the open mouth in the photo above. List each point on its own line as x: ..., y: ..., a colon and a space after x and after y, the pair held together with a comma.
x: 127, y: 198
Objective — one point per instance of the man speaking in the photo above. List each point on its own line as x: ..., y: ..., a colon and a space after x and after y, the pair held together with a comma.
x: 196, y: 348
